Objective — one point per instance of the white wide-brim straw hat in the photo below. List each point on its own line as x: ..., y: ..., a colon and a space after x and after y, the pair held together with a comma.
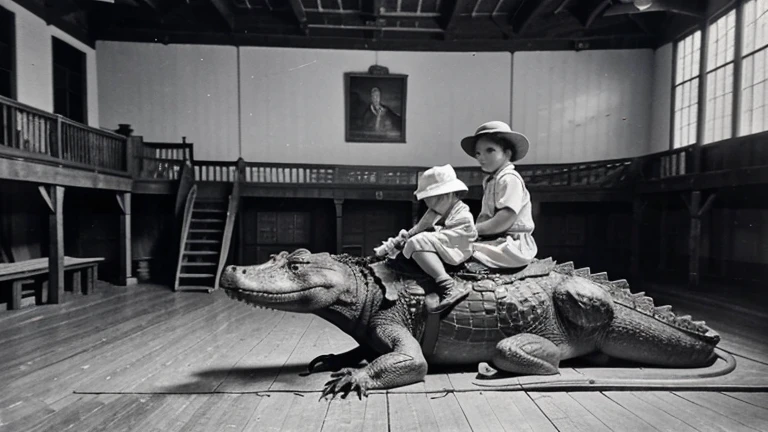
x: 437, y: 181
x: 503, y: 135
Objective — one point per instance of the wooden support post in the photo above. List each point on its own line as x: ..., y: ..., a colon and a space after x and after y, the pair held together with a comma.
x: 339, y: 224
x: 54, y: 197
x: 696, y: 211
x: 415, y: 212
x: 637, y: 219
x: 694, y: 240
x: 663, y: 236
x: 125, y: 276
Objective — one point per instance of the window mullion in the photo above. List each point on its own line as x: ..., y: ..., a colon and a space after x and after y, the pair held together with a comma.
x: 737, y: 66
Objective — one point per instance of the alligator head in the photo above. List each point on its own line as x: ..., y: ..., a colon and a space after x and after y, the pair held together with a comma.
x: 297, y: 282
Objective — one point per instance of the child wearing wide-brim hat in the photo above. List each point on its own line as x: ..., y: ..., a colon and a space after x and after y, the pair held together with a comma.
x: 451, y: 240
x: 505, y: 223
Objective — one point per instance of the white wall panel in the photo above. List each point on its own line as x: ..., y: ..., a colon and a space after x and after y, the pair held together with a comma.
x: 293, y: 104
x: 662, y: 99
x: 582, y: 106
x: 169, y: 91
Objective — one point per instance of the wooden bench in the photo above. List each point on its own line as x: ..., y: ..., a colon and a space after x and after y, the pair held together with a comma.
x: 23, y: 272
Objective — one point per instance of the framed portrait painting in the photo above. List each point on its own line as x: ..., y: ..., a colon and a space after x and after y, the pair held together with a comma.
x: 375, y: 106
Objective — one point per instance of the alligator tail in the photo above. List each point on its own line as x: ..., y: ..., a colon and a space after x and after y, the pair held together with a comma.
x: 643, y: 332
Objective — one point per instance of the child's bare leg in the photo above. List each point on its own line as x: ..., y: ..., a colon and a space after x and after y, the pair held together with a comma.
x: 431, y: 263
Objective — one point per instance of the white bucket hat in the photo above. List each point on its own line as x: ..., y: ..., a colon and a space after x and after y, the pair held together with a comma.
x: 437, y: 181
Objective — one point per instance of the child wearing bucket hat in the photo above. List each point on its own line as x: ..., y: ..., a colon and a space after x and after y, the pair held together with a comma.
x: 505, y: 223
x: 451, y: 240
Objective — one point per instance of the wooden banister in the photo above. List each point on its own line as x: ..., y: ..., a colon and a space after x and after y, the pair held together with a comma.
x: 188, y: 207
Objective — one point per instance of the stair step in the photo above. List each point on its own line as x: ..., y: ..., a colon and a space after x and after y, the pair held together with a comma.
x: 192, y: 230
x: 208, y: 220
x: 208, y: 210
x: 203, y: 241
x: 195, y: 288
x: 198, y: 264
x: 196, y: 275
x: 196, y: 253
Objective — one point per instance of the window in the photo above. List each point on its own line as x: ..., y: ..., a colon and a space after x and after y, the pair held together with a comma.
x: 720, y: 55
x: 754, y: 88
x: 69, y: 87
x: 686, y: 89
x: 7, y: 54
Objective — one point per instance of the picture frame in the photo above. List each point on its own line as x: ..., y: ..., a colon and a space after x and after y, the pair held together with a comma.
x: 374, y: 106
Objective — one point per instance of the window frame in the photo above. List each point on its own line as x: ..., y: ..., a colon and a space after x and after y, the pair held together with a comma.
x: 673, y: 97
x: 83, y: 83
x: 12, y: 47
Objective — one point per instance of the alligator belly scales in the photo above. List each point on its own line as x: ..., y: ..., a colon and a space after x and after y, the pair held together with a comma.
x: 524, y: 322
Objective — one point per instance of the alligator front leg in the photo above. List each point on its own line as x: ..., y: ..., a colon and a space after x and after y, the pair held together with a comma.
x: 334, y: 362
x: 525, y: 353
x: 404, y: 365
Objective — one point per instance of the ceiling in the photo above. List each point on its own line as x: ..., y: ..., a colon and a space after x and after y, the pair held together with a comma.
x: 431, y: 25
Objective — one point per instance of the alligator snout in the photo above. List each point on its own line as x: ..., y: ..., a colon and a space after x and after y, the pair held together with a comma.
x: 228, y: 278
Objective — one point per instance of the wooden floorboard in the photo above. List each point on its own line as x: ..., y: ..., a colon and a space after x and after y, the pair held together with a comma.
x: 145, y: 358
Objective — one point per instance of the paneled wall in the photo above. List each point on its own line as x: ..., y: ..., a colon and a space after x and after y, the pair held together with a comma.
x: 34, y: 62
x: 661, y: 108
x: 583, y: 106
x: 293, y: 104
x: 576, y: 106
x: 169, y: 91
x: 23, y: 222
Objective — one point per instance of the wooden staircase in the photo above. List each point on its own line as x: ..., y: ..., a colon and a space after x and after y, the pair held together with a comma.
x: 205, y: 238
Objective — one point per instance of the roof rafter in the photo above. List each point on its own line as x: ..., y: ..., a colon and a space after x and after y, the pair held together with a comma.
x: 454, y: 13
x: 300, y: 14
x: 528, y: 10
x: 226, y: 13
x: 657, y: 6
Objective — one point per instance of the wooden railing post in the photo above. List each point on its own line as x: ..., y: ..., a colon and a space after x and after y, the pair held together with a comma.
x: 58, y: 136
x: 132, y: 144
x: 339, y: 202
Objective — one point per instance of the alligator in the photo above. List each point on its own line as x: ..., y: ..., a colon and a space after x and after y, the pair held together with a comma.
x: 522, y: 322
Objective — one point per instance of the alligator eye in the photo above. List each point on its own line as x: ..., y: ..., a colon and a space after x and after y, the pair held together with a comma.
x: 294, y: 267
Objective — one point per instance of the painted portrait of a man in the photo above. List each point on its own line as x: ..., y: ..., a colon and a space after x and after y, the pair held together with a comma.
x: 375, y: 108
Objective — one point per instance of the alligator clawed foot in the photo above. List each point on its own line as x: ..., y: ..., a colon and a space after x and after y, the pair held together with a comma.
x: 345, y: 381
x: 486, y: 370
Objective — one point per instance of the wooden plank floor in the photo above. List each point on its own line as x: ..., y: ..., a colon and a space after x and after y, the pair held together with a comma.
x: 122, y: 343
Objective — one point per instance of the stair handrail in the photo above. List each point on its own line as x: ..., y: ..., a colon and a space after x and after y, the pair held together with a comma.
x: 232, y: 207
x: 189, y: 206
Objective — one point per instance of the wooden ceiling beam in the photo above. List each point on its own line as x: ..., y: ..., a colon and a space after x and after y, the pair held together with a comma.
x: 222, y: 6
x: 528, y: 10
x: 300, y: 14
x: 154, y: 4
x: 588, y: 10
x: 682, y: 8
x: 453, y: 16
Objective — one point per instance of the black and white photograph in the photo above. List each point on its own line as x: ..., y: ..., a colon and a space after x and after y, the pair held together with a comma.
x: 379, y: 215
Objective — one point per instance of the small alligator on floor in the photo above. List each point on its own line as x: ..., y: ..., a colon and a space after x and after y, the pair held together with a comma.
x: 524, y: 322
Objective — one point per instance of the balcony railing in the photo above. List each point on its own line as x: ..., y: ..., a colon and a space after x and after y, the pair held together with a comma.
x: 611, y: 173
x: 50, y: 138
